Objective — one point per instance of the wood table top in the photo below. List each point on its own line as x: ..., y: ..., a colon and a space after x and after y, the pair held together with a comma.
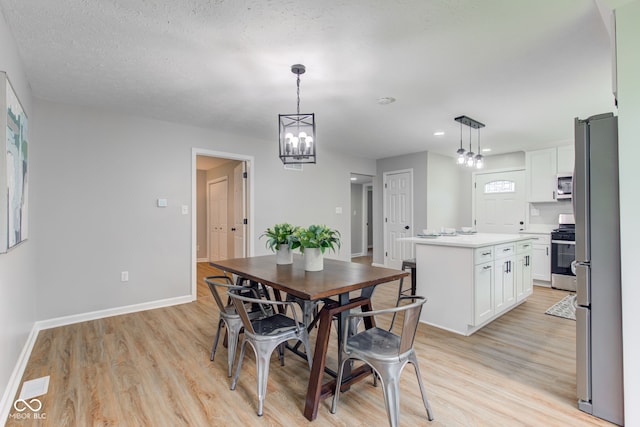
x: 336, y: 278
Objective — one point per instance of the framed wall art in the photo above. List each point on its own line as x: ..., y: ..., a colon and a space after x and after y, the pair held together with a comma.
x: 14, y: 160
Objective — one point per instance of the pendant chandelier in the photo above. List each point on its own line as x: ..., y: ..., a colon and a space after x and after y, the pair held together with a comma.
x: 297, y: 132
x: 469, y: 158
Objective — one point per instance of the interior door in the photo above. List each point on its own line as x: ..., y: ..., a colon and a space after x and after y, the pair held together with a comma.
x: 398, y: 197
x: 217, y: 216
x: 499, y: 199
x: 239, y: 210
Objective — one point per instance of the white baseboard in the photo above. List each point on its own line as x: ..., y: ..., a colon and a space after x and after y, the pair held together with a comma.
x: 16, y: 376
x: 202, y: 260
x: 100, y: 314
x: 358, y: 254
x: 375, y: 264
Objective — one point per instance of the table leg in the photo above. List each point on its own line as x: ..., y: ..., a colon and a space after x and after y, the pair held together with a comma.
x: 316, y: 390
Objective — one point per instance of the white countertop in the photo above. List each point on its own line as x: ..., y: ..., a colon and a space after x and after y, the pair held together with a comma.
x: 477, y: 240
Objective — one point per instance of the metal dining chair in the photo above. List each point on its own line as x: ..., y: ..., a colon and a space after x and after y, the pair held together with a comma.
x: 387, y: 353
x: 265, y: 335
x: 228, y: 314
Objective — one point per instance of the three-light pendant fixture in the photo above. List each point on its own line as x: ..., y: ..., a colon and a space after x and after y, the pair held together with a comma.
x: 469, y: 158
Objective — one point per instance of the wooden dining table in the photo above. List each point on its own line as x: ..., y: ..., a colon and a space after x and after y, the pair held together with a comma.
x: 331, y: 285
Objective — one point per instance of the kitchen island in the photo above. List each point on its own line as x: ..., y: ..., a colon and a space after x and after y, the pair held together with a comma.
x: 471, y: 280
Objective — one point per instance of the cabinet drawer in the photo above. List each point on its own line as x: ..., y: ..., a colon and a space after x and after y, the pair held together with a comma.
x: 484, y: 254
x: 524, y: 247
x: 505, y: 250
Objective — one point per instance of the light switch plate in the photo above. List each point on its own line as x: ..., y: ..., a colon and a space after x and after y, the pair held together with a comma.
x: 185, y: 210
x: 162, y: 203
x: 338, y: 210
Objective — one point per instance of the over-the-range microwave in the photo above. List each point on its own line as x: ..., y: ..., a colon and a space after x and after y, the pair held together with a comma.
x: 564, y: 186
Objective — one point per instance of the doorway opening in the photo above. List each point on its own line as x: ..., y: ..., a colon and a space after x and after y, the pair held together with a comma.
x: 361, y: 216
x: 222, y: 217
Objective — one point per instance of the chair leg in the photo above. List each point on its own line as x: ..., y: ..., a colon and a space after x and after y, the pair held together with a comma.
x: 240, y: 359
x: 307, y: 347
x: 262, y: 369
x: 336, y: 395
x: 215, y: 341
x: 393, y: 318
x: 232, y: 344
x: 414, y: 360
x: 391, y: 391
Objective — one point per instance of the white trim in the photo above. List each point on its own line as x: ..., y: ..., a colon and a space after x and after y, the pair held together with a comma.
x: 101, y: 314
x: 194, y: 199
x: 375, y: 264
x: 16, y: 376
x: 358, y: 254
x: 202, y: 260
x: 18, y: 371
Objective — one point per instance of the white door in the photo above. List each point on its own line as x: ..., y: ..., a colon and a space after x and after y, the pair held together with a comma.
x: 398, y: 217
x: 239, y: 210
x: 217, y: 216
x: 499, y: 199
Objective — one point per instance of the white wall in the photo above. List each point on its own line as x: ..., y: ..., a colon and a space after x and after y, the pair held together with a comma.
x: 418, y: 163
x: 448, y: 193
x: 96, y: 178
x: 628, y: 40
x: 18, y: 265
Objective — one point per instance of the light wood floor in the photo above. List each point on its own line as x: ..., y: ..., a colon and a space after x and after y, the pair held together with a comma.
x: 152, y: 369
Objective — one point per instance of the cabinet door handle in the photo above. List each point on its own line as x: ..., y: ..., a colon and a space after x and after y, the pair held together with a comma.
x: 554, y: 195
x: 486, y: 267
x: 547, y: 250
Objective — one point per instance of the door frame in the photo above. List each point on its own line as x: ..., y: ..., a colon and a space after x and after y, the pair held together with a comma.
x: 385, y: 243
x: 499, y: 170
x: 249, y: 161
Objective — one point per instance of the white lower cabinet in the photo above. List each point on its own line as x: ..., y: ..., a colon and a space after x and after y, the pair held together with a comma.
x: 483, y: 304
x: 504, y: 285
x: 468, y: 287
x: 524, y: 271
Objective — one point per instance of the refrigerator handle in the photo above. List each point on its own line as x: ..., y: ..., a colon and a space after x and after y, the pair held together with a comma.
x: 583, y: 284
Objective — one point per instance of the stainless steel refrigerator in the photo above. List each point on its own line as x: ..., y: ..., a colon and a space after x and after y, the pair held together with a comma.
x: 599, y: 307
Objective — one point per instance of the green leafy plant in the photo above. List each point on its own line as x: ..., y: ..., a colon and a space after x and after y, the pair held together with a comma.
x: 317, y: 236
x: 280, y: 234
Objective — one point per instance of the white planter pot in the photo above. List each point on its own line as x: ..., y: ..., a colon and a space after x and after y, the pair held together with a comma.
x: 313, y: 259
x: 284, y: 255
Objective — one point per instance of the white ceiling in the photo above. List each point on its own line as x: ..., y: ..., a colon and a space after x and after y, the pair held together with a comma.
x: 525, y: 68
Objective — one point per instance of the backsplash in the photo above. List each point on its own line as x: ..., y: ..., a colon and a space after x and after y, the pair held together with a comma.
x: 547, y: 213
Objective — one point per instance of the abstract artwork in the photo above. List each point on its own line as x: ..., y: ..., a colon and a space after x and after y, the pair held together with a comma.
x: 14, y: 178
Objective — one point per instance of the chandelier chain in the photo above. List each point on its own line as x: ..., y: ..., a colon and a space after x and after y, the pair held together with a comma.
x: 298, y: 86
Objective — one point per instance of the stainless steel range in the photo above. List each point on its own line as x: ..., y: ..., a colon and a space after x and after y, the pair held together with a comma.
x: 563, y: 254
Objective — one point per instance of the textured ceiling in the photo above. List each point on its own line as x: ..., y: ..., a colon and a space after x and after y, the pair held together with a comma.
x: 525, y: 68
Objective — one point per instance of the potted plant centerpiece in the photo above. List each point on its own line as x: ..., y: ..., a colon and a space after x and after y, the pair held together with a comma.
x: 313, y: 241
x: 281, y: 240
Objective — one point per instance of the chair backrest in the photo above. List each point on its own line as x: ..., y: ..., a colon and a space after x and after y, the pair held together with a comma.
x: 241, y: 309
x: 410, y: 321
x: 215, y: 282
x: 240, y: 302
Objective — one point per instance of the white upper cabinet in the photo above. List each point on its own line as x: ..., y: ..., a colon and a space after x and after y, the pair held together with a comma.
x: 543, y: 167
x: 566, y: 159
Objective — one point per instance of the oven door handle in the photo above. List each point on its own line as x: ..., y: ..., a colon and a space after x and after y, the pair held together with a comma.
x: 564, y: 242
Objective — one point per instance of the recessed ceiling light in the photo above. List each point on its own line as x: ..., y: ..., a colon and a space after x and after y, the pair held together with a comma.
x: 353, y: 178
x: 486, y: 150
x: 438, y: 133
x: 386, y: 100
